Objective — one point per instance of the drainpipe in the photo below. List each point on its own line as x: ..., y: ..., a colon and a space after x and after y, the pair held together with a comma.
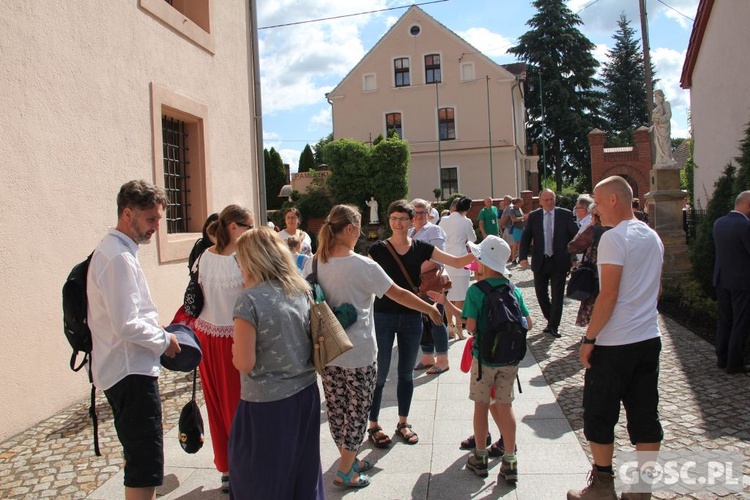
x: 257, y: 108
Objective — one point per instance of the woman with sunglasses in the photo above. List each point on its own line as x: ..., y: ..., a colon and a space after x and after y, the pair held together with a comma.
x: 394, y: 321
x: 221, y: 282
x: 292, y: 219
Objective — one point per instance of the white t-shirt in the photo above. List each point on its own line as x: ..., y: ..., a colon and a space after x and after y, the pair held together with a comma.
x: 638, y: 249
x: 356, y: 280
x: 305, y: 247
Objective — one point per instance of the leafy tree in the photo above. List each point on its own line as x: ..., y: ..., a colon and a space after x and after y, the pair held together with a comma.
x: 389, y: 171
x: 348, y: 161
x: 359, y: 172
x: 275, y: 178
x: 306, y: 160
x: 562, y: 56
x: 319, y: 149
x: 624, y: 80
x: 378, y: 140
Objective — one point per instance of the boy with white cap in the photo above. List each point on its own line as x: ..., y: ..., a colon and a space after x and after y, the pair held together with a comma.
x: 492, y: 255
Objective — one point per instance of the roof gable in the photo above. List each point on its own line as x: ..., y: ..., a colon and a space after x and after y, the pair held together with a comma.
x: 416, y: 15
x: 696, y: 38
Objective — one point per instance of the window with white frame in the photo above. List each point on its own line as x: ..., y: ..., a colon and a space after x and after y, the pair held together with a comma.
x: 393, y: 122
x: 432, y: 73
x: 447, y: 124
x: 369, y: 82
x: 467, y: 71
x: 401, y: 72
x: 449, y: 181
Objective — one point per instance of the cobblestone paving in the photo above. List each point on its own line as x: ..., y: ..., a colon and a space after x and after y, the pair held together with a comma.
x: 55, y: 459
x: 701, y: 407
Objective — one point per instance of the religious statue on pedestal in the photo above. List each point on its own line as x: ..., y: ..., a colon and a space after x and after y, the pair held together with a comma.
x: 661, y: 130
x: 373, y: 210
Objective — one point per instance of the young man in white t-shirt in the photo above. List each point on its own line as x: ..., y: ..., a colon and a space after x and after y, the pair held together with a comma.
x: 620, y: 350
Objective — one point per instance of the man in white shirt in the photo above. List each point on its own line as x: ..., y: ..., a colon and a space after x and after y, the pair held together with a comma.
x: 620, y: 350
x: 127, y: 337
x: 583, y: 211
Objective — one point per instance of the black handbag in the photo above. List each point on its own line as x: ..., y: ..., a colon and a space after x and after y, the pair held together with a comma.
x: 583, y: 281
x: 190, y: 424
x: 193, y: 300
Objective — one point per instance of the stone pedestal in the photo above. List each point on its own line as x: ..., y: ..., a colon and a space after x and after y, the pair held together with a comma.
x: 665, y: 201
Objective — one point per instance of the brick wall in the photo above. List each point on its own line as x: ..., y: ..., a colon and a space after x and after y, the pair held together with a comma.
x: 635, y: 165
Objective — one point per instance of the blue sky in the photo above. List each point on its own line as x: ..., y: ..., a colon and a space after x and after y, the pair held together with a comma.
x: 300, y: 63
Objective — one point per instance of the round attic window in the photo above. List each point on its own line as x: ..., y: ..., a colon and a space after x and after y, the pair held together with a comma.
x: 415, y: 30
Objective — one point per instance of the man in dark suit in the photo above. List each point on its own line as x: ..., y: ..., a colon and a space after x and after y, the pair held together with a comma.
x: 549, y: 229
x: 732, y: 282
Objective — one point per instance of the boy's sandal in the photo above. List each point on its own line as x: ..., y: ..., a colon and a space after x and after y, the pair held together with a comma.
x: 346, y: 479
x: 378, y: 438
x: 407, y: 438
x: 361, y: 465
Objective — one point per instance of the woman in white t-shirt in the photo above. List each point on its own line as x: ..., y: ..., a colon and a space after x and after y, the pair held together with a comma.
x: 221, y: 282
x: 349, y: 380
x: 292, y: 219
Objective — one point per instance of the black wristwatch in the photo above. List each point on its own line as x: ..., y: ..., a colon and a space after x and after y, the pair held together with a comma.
x: 587, y: 340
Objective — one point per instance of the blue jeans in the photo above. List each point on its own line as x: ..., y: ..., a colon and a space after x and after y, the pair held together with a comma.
x: 407, y: 328
x: 439, y: 337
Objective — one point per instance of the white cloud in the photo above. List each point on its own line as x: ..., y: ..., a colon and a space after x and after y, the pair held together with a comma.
x: 291, y: 156
x: 680, y: 9
x: 601, y: 17
x: 668, y: 65
x: 300, y: 63
x: 489, y: 43
x: 601, y: 54
x: 321, y: 120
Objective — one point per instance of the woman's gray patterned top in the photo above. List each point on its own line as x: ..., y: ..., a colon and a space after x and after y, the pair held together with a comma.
x: 283, y: 349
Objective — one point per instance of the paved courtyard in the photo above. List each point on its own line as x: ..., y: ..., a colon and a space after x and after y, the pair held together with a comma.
x: 701, y: 408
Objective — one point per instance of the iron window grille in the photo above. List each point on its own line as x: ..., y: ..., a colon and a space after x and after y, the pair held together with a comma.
x: 176, y: 173
x: 401, y: 69
x: 432, y: 68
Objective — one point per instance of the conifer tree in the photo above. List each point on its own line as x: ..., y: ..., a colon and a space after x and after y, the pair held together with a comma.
x: 561, y: 71
x: 306, y: 160
x: 624, y: 80
x: 275, y: 178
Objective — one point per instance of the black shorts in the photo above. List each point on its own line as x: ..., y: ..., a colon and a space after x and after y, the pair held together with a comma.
x: 136, y: 406
x: 627, y: 373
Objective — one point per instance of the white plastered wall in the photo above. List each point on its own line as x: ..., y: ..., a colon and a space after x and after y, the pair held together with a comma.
x: 76, y: 125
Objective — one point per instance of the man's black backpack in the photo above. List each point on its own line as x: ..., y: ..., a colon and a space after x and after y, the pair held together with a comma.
x: 76, y: 328
x: 502, y: 342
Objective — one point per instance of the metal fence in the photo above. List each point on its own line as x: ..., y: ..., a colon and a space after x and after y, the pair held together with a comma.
x: 690, y: 219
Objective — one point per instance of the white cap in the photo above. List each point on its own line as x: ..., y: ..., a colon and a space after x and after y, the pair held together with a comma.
x: 493, y: 252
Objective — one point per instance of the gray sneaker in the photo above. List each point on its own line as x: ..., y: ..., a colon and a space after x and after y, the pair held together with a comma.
x: 509, y: 470
x: 477, y: 464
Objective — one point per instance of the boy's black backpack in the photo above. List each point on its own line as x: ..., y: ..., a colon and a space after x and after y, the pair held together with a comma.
x: 502, y: 342
x: 76, y: 328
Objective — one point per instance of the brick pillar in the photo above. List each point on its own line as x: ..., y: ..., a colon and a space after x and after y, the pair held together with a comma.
x: 643, y: 165
x: 596, y: 146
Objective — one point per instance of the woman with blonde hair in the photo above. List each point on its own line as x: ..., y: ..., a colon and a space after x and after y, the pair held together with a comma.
x: 292, y: 219
x: 274, y: 446
x: 221, y: 283
x: 349, y: 380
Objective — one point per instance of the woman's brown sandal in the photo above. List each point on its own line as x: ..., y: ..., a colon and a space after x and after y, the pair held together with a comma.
x: 378, y: 438
x: 407, y: 438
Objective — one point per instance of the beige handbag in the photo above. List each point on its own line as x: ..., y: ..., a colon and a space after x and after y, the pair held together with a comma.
x: 329, y: 339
